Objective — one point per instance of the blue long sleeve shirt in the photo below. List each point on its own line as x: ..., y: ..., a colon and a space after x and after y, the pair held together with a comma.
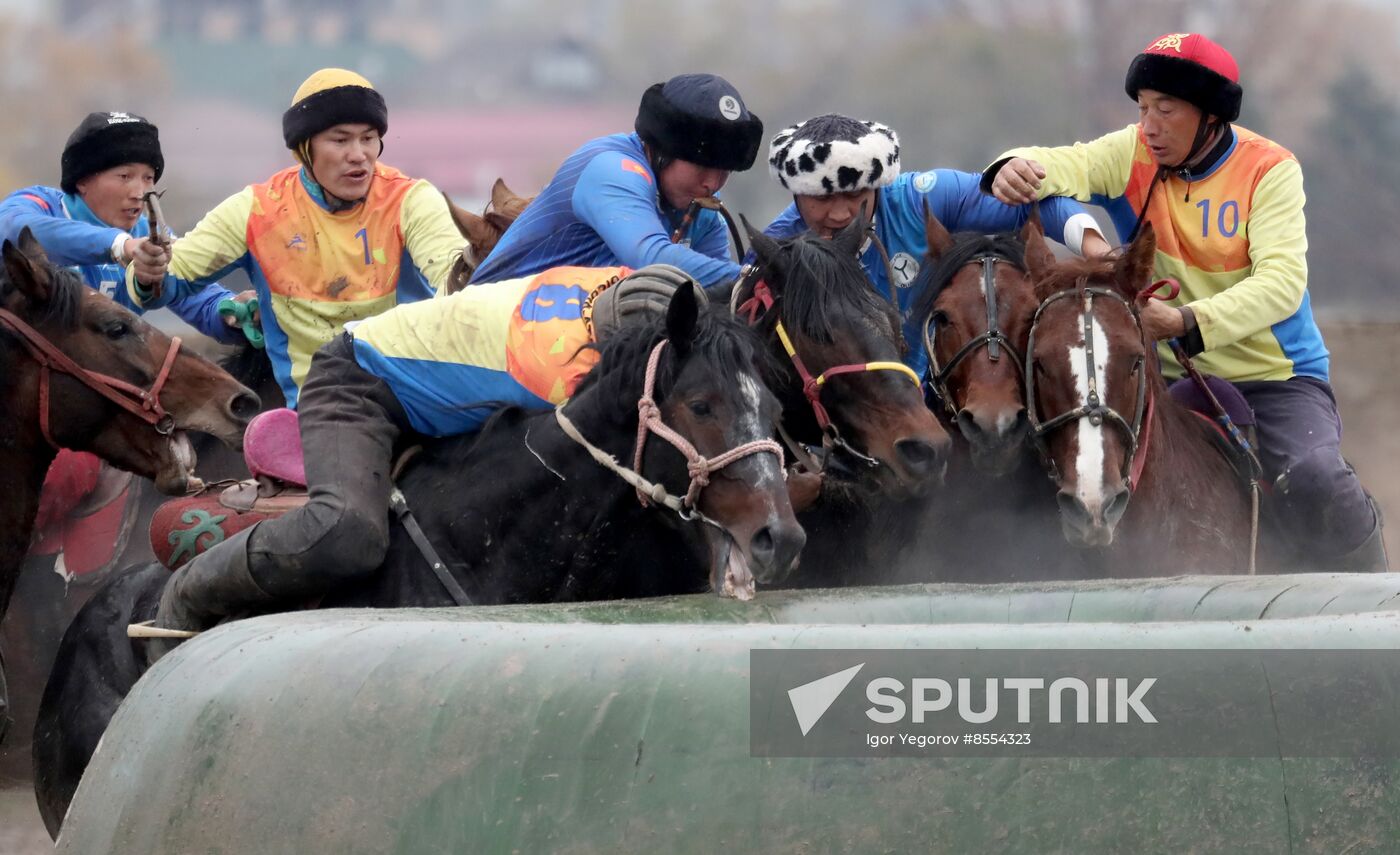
x: 602, y: 209
x: 953, y: 197
x: 73, y: 236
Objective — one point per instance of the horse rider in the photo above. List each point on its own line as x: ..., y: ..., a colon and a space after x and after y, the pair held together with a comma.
x: 835, y: 167
x: 337, y: 237
x: 1227, y: 208
x: 619, y: 199
x: 92, y: 221
x: 435, y: 368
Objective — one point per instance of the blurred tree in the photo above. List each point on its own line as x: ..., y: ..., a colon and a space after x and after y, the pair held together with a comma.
x: 1353, y: 187
x: 50, y: 81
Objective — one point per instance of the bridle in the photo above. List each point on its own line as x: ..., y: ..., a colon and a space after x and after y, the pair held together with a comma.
x: 761, y: 303
x: 1137, y: 432
x: 649, y: 421
x: 144, y: 404
x: 993, y: 338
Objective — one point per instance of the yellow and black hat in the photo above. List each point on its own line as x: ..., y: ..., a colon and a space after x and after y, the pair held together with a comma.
x: 330, y: 97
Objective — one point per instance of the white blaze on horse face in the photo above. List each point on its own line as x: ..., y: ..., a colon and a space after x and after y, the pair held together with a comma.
x: 751, y: 428
x: 1089, y: 455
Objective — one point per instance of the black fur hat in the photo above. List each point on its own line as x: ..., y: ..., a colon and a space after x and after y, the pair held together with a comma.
x: 700, y: 118
x: 105, y: 140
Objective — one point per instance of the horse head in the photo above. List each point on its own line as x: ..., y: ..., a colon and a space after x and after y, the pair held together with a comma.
x: 975, y: 301
x: 838, y: 349
x: 483, y: 232
x: 113, y: 357
x: 709, y: 437
x: 1087, y: 381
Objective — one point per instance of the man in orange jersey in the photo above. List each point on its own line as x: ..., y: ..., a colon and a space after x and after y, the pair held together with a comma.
x: 1226, y: 205
x: 339, y: 237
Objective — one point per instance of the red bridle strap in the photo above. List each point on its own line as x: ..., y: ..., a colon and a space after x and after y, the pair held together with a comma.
x: 762, y: 301
x: 142, y: 403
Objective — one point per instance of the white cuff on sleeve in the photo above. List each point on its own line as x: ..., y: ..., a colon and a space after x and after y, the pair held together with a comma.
x: 118, y: 246
x: 1076, y: 226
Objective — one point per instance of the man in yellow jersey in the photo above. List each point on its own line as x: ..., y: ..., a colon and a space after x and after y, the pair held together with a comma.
x: 339, y: 237
x: 1226, y: 205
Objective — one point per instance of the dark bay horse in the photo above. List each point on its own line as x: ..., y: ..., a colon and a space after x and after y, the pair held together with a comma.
x: 520, y: 513
x: 1138, y: 476
x: 836, y: 350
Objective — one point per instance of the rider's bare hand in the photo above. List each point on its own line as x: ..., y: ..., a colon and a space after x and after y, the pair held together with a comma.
x: 1161, y: 321
x: 151, y: 261
x: 1017, y: 181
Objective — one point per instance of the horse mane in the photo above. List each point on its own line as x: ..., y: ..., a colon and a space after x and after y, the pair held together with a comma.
x: 247, y: 364
x: 935, y: 277
x: 616, y: 381
x: 834, y: 290
x: 1075, y: 272
x: 66, y: 293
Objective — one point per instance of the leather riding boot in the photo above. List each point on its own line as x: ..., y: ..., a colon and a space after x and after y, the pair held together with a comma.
x: 1370, y: 556
x: 210, y: 588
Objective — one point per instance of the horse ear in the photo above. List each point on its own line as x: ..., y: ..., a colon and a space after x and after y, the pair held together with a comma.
x: 848, y: 240
x: 939, y: 240
x: 472, y: 227
x: 1133, y: 270
x: 682, y: 316
x: 1039, y: 257
x: 497, y: 222
x: 29, y: 271
x: 765, y: 249
x: 30, y: 246
x: 501, y: 195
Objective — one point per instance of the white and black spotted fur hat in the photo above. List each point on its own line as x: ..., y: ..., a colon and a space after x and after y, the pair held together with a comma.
x: 834, y: 154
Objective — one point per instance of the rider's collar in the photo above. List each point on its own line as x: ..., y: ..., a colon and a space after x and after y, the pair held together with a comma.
x: 78, y: 210
x: 331, y: 203
x: 1213, y: 158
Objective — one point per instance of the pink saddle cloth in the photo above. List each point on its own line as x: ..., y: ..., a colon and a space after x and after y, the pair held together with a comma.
x: 272, y: 447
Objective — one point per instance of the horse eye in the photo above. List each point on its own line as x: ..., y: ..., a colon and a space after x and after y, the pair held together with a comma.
x: 940, y: 318
x: 118, y: 329
x: 700, y: 409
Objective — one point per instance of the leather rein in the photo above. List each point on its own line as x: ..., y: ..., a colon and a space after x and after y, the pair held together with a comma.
x: 144, y: 404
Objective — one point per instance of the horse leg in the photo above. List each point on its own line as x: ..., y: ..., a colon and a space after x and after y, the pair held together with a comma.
x: 94, y: 669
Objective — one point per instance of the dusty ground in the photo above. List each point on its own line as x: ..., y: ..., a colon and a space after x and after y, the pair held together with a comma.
x: 1368, y: 391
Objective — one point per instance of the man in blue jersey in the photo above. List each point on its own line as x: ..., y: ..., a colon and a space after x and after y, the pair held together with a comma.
x: 92, y: 222
x: 618, y: 199
x: 835, y: 165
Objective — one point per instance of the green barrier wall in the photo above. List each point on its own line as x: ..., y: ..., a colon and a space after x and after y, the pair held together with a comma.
x: 624, y: 728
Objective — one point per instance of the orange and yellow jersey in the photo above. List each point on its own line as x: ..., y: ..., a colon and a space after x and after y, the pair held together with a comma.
x: 315, y: 270
x: 1235, y: 238
x: 455, y: 360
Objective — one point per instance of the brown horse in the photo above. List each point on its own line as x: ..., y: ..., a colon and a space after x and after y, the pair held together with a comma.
x: 78, y: 371
x: 1135, y: 471
x: 977, y: 298
x: 483, y: 232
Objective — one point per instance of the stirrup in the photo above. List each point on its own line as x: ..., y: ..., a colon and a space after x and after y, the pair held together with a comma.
x: 148, y: 629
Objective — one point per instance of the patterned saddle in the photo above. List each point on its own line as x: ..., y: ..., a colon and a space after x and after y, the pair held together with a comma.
x: 184, y: 528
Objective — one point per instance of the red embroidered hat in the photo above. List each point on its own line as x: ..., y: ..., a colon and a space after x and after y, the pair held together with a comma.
x: 1193, y: 68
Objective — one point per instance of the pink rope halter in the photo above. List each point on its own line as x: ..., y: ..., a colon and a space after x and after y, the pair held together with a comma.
x: 700, y: 467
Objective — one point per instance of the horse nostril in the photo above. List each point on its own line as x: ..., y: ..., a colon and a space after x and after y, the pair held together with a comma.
x: 1116, y: 507
x: 775, y: 549
x: 967, y: 423
x: 1073, y: 509
x: 244, y: 406
x: 919, y: 456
